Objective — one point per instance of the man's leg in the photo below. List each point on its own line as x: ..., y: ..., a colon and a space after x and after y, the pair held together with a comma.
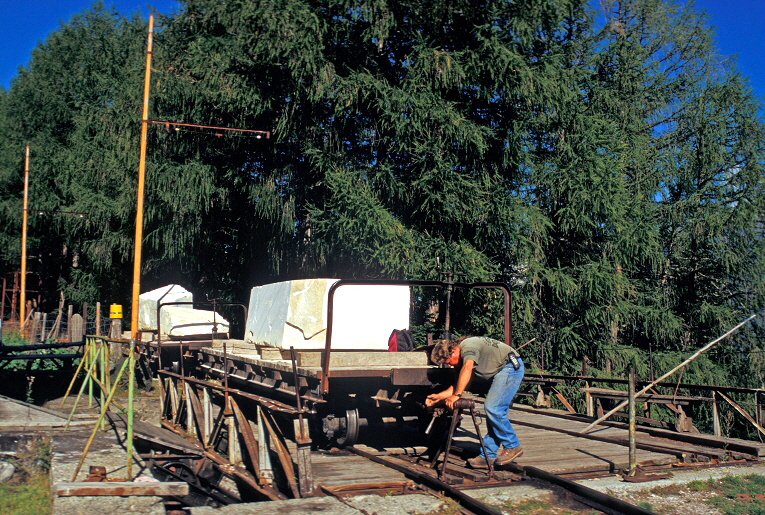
x: 503, y: 388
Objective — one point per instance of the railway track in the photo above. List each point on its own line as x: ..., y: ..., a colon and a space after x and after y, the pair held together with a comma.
x: 357, y: 470
x: 457, y: 481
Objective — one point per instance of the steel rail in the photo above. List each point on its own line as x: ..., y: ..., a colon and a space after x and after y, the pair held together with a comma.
x: 588, y: 496
x: 432, y: 482
x: 601, y: 501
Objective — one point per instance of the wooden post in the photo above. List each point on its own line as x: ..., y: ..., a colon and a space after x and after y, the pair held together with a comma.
x: 130, y: 413
x: 23, y: 289
x: 190, y: 427
x: 2, y: 303
x: 43, y: 325
x: 84, y: 321
x: 98, y: 319
x: 715, y: 415
x: 633, y: 449
x: 207, y: 407
x: 35, y: 330
x: 69, y: 313
x: 141, y: 184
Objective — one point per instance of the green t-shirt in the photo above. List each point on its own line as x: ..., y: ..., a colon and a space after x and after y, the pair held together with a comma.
x: 489, y: 355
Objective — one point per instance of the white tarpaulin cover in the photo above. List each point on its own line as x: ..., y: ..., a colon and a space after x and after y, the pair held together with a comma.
x: 294, y: 313
x: 178, y: 320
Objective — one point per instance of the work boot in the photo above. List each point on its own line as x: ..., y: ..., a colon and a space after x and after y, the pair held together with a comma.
x: 506, y: 456
x: 479, y: 462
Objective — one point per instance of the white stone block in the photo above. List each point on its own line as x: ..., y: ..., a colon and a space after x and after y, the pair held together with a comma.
x: 294, y: 314
x: 147, y: 304
x: 179, y: 321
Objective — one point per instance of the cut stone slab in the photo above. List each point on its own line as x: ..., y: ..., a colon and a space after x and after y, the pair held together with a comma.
x: 147, y: 304
x: 294, y: 314
x: 177, y: 320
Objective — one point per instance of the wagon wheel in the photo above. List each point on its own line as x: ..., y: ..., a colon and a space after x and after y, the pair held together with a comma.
x: 349, y: 428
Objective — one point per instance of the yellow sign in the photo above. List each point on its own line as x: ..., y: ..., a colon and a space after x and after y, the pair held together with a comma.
x: 115, y: 311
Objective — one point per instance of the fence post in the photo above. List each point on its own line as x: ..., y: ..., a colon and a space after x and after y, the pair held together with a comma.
x: 69, y: 313
x: 715, y: 415
x: 84, y: 320
x: 43, y: 325
x: 98, y: 319
x: 35, y: 331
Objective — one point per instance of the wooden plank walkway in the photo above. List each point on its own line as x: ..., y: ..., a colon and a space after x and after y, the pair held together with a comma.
x: 338, y: 470
x: 564, y: 453
x: 551, y: 441
x: 16, y: 415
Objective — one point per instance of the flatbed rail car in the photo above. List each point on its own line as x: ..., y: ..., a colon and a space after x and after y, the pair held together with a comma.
x: 341, y: 392
x: 232, y: 394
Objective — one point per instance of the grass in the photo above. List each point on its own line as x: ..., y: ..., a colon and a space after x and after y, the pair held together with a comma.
x: 28, y: 497
x: 732, y: 487
x: 732, y: 495
x: 28, y: 491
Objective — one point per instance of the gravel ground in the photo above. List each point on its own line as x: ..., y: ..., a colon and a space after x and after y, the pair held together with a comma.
x: 67, y: 449
x: 419, y: 504
x: 674, y: 501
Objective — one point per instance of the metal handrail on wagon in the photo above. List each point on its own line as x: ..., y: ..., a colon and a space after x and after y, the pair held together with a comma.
x: 433, y: 284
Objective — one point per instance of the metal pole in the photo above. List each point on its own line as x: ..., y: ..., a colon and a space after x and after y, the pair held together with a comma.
x: 633, y: 450
x: 141, y: 181
x: 23, y: 289
x: 131, y: 388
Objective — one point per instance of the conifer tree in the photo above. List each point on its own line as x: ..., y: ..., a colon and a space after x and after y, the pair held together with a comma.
x: 612, y: 172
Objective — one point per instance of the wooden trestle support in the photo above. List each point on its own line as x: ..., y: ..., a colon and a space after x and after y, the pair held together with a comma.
x: 242, y: 434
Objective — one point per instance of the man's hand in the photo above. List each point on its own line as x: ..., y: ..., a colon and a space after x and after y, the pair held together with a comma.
x: 435, y: 398
x: 451, y: 400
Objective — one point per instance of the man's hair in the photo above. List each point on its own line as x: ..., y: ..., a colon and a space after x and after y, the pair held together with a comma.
x: 442, y: 350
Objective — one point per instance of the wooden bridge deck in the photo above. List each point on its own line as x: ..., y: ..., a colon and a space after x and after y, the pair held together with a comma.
x: 552, y: 441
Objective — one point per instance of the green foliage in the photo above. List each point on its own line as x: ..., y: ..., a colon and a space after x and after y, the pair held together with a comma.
x: 610, y: 171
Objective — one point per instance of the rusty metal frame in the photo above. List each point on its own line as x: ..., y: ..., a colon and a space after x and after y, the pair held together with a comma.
x: 432, y: 284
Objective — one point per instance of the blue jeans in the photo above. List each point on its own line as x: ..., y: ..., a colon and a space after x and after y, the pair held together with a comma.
x: 499, y: 430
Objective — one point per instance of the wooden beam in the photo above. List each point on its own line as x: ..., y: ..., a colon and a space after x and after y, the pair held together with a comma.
x: 121, y: 488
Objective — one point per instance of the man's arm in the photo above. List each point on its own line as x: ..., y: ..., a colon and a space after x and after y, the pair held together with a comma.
x: 466, y: 373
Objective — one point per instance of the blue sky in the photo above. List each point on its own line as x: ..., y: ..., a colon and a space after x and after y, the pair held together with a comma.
x: 25, y: 23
